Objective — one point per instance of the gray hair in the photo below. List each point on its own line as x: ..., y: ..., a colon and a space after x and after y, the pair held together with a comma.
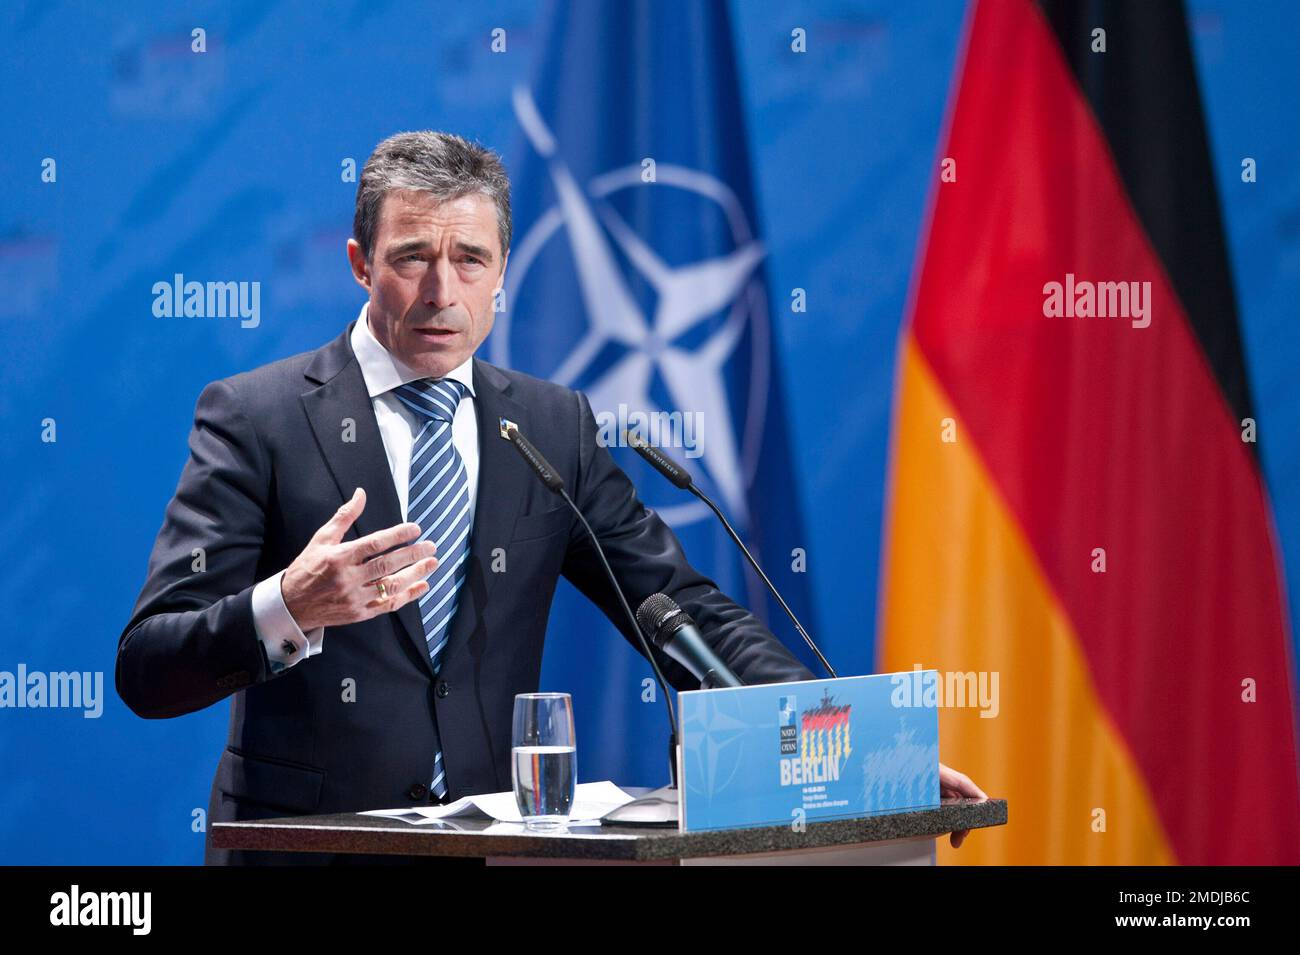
x: 442, y: 164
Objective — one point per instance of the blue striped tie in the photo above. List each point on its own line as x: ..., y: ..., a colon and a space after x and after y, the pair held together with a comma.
x: 438, y: 501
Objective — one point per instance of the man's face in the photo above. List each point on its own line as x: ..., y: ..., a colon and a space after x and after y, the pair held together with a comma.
x: 431, y: 276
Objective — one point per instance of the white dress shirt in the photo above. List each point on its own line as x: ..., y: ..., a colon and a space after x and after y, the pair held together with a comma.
x: 399, y: 426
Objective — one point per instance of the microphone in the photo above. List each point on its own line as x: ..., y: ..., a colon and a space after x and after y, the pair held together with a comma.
x: 551, y: 478
x: 541, y: 467
x: 680, y: 477
x: 674, y: 632
x: 661, y: 462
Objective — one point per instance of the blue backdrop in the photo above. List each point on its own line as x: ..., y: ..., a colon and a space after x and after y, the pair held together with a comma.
x: 226, y: 165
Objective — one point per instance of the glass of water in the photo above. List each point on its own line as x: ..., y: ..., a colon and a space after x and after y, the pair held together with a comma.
x: 544, y: 759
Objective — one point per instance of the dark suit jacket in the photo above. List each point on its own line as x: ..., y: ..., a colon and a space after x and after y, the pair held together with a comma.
x: 268, y: 466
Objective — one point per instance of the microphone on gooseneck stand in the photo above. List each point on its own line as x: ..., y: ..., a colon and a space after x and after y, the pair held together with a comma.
x: 680, y: 477
x: 674, y: 632
x: 660, y: 807
x: 541, y: 467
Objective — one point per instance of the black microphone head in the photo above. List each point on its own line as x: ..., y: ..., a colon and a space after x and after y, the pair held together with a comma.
x: 656, y: 611
x: 660, y: 461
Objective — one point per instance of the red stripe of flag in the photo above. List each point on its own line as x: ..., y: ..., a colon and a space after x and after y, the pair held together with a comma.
x: 1105, y: 435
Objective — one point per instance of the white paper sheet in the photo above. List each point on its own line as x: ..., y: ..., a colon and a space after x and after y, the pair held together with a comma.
x: 590, y: 802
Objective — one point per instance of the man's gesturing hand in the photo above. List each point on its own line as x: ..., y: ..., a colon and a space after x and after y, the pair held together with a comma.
x: 331, y: 583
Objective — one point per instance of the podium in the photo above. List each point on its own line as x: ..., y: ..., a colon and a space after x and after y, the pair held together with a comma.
x: 900, y: 838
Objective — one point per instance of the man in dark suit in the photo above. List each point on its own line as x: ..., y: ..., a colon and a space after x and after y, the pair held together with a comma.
x: 358, y: 557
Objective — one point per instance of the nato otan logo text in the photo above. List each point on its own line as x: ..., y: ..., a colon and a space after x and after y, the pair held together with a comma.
x: 825, y: 741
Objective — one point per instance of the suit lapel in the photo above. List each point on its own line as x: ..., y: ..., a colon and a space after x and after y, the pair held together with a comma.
x: 361, y: 462
x: 341, y: 394
x: 355, y: 455
x: 502, y: 480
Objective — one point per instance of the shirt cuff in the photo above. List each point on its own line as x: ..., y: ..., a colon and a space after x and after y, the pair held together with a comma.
x: 283, y: 639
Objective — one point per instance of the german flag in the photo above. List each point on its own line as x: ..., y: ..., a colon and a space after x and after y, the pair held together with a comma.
x: 1075, y: 499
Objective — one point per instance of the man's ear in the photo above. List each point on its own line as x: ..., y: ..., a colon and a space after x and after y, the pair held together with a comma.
x: 501, y: 279
x: 360, y: 267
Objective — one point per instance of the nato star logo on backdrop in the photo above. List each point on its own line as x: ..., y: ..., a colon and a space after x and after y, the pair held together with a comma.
x: 671, y: 355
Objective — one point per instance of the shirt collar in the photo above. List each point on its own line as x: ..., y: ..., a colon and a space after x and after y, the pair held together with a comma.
x: 383, y: 371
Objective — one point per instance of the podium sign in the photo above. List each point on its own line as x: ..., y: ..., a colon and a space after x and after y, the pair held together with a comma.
x: 783, y: 753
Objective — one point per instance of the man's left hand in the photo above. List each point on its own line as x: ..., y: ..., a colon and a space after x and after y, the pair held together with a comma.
x: 954, y: 784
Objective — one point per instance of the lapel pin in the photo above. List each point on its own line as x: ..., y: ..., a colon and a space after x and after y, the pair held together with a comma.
x: 506, y: 426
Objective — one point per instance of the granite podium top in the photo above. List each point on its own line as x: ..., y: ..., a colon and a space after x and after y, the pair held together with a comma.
x: 482, y: 837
